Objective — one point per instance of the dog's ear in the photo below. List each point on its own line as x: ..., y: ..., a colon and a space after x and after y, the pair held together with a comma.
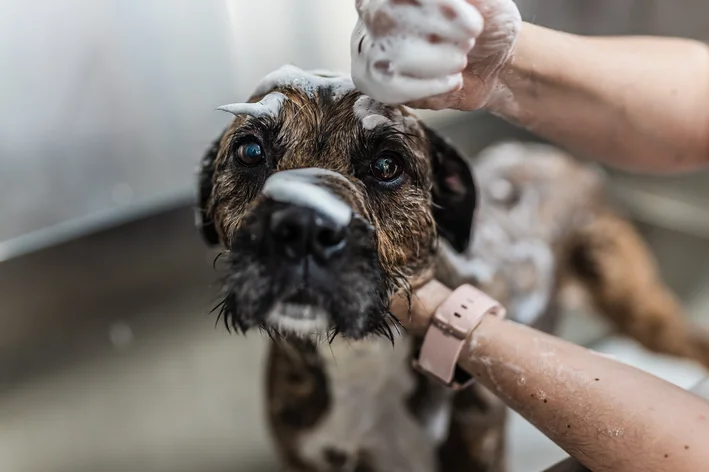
x: 205, y: 176
x: 454, y: 191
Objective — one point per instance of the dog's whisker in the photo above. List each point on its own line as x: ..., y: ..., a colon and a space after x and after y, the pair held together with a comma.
x: 224, y: 315
x: 218, y: 306
x: 334, y: 359
x: 333, y: 335
x: 395, y: 322
x: 388, y: 333
x: 216, y: 259
x: 269, y: 333
x: 220, y: 313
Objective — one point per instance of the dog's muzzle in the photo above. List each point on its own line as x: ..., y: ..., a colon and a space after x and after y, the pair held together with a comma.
x: 312, y: 222
x: 305, y: 263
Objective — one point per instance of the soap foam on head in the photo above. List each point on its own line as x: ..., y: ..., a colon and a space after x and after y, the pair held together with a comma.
x: 373, y: 113
x: 370, y: 112
x: 293, y: 77
x: 307, y: 82
x: 301, y: 187
x: 268, y: 107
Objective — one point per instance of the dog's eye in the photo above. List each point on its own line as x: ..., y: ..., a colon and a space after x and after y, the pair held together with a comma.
x: 250, y: 154
x: 386, y: 167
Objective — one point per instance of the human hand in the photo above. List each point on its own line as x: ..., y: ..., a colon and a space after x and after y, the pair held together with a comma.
x: 433, y: 54
x: 424, y: 301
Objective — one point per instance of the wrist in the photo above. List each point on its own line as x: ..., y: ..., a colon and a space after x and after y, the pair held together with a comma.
x: 477, y: 343
x: 535, y: 74
x: 501, y: 101
x: 448, y: 335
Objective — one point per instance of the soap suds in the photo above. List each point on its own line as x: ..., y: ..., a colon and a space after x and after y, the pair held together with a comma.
x: 301, y: 187
x: 371, y: 113
x: 372, y: 121
x: 615, y: 432
x: 308, y: 82
x: 403, y: 63
x: 407, y: 51
x: 268, y: 107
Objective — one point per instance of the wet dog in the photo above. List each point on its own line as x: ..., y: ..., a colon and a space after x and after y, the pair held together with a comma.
x: 327, y: 203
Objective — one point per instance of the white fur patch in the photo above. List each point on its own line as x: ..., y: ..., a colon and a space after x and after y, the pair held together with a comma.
x: 370, y: 382
x: 501, y: 190
x: 301, y: 320
x: 308, y: 82
x: 301, y: 187
x: 269, y: 106
x: 531, y: 302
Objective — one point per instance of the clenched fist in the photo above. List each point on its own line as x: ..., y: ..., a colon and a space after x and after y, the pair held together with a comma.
x: 433, y: 53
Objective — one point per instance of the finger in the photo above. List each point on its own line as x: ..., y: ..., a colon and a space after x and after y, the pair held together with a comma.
x: 395, y: 89
x: 439, y: 102
x: 452, y: 16
x: 421, y: 59
x: 454, y: 21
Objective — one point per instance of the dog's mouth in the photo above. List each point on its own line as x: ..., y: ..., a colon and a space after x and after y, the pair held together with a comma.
x: 299, y: 319
x: 306, y: 296
x: 299, y: 314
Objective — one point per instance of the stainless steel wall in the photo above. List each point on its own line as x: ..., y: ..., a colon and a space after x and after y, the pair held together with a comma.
x: 107, y: 104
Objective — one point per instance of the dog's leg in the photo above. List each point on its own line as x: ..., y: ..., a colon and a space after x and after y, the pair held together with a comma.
x: 476, y: 439
x: 613, y: 263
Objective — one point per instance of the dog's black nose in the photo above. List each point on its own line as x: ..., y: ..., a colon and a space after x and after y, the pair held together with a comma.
x: 298, y: 232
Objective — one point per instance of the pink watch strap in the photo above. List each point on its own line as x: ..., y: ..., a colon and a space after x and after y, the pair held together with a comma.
x: 454, y: 319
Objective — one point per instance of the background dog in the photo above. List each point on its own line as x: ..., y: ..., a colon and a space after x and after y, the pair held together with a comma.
x: 327, y: 203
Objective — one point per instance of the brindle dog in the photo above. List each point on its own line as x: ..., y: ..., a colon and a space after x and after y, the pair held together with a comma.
x: 328, y: 202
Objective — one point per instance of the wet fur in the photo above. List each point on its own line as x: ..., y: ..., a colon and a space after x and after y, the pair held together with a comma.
x: 327, y: 135
x: 398, y: 240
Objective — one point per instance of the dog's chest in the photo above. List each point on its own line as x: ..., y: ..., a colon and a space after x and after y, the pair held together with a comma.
x: 369, y: 418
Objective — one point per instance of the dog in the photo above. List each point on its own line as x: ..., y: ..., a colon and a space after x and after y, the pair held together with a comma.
x: 326, y: 203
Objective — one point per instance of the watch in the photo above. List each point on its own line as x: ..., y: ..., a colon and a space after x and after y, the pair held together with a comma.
x: 454, y: 319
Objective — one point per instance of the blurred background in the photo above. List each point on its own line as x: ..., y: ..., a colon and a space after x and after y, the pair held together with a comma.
x: 109, y: 360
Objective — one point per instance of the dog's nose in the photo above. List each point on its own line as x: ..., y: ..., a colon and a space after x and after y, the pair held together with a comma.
x: 298, y: 232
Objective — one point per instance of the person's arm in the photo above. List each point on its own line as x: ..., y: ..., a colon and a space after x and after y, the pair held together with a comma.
x: 609, y: 416
x: 639, y: 103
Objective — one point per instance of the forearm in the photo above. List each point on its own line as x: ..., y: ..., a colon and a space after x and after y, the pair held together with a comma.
x: 610, y: 416
x: 637, y: 103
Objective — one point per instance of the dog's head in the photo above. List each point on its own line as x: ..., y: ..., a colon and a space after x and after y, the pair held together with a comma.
x: 327, y: 202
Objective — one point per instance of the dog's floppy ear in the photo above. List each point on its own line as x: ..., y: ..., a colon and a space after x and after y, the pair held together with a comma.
x: 454, y: 191
x: 205, y: 175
